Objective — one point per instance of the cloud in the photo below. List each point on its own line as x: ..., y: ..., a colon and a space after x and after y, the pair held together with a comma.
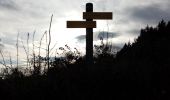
x: 81, y: 38
x: 106, y: 35
x: 8, y: 4
x: 134, y: 32
x: 1, y: 45
x: 149, y: 14
x: 7, y: 40
x: 129, y: 17
x: 97, y: 36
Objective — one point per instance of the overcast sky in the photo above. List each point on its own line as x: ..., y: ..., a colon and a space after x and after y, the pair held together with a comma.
x: 23, y: 16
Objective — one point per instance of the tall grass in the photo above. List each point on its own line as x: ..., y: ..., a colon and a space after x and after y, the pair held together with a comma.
x: 39, y: 53
x: 28, y: 49
x: 33, y: 51
x: 35, y: 61
x: 17, y: 48
x: 3, y: 59
x: 49, y: 42
x: 10, y: 60
x: 25, y: 51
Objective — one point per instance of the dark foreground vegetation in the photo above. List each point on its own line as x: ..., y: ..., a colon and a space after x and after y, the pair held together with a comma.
x: 139, y: 71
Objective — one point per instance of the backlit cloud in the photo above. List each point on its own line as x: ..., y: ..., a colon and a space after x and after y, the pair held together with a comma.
x: 24, y: 16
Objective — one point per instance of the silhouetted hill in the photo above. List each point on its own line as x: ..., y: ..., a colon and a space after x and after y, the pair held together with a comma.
x: 139, y: 71
x: 147, y: 61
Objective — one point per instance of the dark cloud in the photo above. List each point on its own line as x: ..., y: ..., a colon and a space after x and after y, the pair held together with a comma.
x: 1, y: 45
x: 149, y: 14
x: 106, y: 35
x: 134, y: 32
x: 81, y: 38
x: 8, y: 4
x: 9, y: 39
x: 98, y: 36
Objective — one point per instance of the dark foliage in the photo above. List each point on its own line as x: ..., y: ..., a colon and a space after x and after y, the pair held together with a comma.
x: 139, y: 71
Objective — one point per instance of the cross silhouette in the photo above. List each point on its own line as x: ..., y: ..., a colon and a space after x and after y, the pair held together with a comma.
x: 89, y: 24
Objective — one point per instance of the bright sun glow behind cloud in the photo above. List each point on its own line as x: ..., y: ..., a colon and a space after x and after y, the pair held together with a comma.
x: 63, y: 35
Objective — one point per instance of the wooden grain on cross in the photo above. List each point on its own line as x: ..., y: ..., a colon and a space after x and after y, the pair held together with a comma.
x: 97, y: 15
x: 81, y: 24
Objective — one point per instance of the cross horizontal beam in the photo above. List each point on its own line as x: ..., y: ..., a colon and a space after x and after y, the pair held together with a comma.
x: 81, y: 24
x: 97, y: 15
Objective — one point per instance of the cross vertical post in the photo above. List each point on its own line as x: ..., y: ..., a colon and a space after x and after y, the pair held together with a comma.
x: 89, y: 38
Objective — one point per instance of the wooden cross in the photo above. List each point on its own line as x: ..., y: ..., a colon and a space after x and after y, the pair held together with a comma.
x: 89, y: 24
